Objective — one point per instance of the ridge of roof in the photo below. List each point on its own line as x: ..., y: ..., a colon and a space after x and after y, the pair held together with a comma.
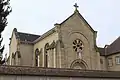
x: 28, y: 33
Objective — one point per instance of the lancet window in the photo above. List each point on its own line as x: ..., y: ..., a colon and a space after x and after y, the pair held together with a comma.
x: 46, y: 48
x: 37, y: 57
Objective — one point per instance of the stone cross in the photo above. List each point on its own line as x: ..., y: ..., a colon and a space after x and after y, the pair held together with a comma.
x: 76, y: 6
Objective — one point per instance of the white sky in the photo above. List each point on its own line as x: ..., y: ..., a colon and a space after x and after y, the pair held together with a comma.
x: 38, y: 16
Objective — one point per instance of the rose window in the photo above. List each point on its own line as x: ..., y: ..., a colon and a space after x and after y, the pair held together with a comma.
x: 77, y: 45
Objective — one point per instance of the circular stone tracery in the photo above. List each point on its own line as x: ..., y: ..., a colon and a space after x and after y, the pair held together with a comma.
x: 77, y: 45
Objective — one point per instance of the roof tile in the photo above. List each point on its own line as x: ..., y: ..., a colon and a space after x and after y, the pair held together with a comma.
x: 27, y: 37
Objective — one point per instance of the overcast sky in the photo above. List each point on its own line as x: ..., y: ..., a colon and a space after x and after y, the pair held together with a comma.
x: 38, y: 16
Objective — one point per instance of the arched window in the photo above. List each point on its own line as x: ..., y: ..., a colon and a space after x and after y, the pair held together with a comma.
x: 78, y: 64
x: 46, y: 48
x: 52, y: 54
x: 37, y: 57
x: 41, y: 57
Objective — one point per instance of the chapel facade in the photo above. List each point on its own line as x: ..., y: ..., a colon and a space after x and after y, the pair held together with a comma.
x: 70, y: 44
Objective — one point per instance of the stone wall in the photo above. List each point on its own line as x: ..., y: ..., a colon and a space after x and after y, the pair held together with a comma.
x: 113, y: 65
x: 74, y: 28
x: 41, y: 45
x: 26, y: 51
x: 39, y: 73
x: 12, y: 48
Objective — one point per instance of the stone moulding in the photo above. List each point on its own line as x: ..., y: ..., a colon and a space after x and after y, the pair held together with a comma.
x: 51, y: 31
x: 57, y: 72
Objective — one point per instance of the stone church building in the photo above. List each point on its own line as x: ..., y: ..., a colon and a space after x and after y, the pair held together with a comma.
x: 70, y: 44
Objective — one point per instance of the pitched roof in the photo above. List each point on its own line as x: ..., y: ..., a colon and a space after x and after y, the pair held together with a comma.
x: 114, y: 47
x: 25, y: 37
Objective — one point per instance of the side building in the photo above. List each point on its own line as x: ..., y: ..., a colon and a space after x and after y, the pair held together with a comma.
x: 110, y: 56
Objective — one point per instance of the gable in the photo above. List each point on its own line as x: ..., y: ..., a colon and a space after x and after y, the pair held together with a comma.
x: 80, y: 17
x: 13, y: 39
x: 13, y: 45
x: 77, y: 24
x: 76, y: 27
x: 13, y: 36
